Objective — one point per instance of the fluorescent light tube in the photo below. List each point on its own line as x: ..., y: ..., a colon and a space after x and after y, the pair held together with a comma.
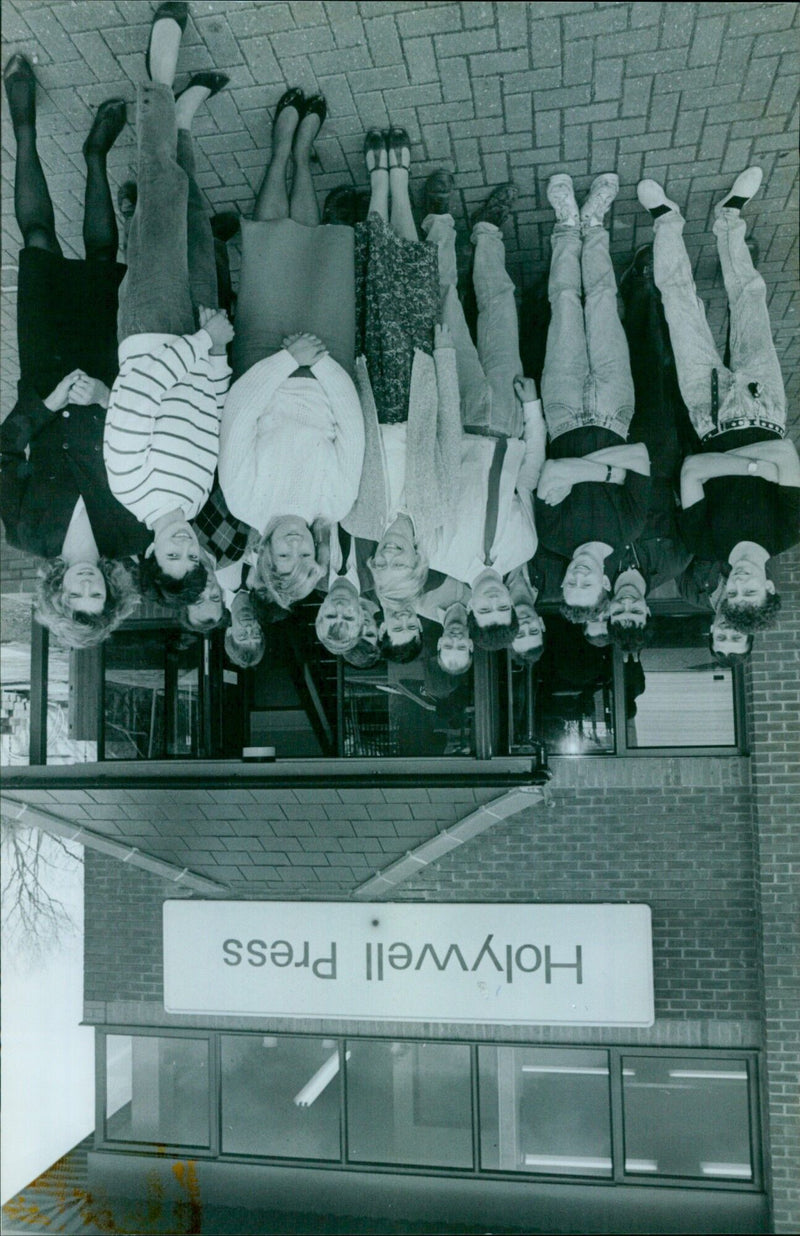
x: 709, y: 1074
x: 741, y: 1171
x: 316, y: 1084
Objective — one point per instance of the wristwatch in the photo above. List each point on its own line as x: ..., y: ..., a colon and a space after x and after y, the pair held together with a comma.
x: 752, y: 467
x: 609, y: 471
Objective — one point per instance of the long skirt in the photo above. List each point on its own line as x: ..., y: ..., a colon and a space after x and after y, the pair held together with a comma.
x: 397, y: 302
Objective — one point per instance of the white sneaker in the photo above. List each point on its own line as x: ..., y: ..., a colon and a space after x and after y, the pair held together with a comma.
x: 561, y: 196
x: 602, y: 193
x: 652, y: 196
x: 745, y: 186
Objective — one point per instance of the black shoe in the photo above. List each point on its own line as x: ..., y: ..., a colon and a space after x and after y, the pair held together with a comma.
x: 225, y: 225
x: 315, y: 105
x: 172, y: 10
x: 290, y: 98
x: 20, y: 85
x: 436, y: 198
x: 108, y: 124
x: 497, y: 206
x: 340, y: 206
x: 213, y: 82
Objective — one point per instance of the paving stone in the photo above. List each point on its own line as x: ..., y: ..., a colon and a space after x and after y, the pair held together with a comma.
x: 686, y: 91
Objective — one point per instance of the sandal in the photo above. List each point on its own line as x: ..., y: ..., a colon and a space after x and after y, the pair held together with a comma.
x: 376, y: 153
x: 172, y: 10
x: 399, y: 146
x: 213, y: 82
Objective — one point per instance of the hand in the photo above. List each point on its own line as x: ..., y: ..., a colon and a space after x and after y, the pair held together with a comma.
x: 554, y: 482
x: 60, y: 397
x: 525, y: 389
x: 556, y: 494
x: 306, y: 349
x: 216, y: 323
x: 443, y: 336
x: 86, y: 390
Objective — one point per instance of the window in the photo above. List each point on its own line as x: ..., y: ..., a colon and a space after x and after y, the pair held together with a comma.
x: 684, y: 697
x: 558, y: 1112
x: 687, y: 1117
x: 581, y: 699
x: 545, y: 1110
x: 157, y: 1089
x: 409, y: 1103
x: 280, y: 1096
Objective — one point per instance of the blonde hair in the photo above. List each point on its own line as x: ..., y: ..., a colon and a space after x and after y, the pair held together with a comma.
x: 74, y: 628
x: 284, y: 590
x: 400, y: 583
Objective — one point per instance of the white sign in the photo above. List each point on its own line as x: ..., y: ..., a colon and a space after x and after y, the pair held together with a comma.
x: 531, y: 964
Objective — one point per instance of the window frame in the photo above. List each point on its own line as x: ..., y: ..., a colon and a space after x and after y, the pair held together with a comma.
x: 750, y: 1057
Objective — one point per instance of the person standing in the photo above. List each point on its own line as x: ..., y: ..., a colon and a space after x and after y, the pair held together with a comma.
x: 55, y: 500
x: 741, y: 493
x: 162, y: 427
x: 594, y: 488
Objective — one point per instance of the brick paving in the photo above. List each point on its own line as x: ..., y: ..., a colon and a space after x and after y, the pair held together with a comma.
x: 690, y: 93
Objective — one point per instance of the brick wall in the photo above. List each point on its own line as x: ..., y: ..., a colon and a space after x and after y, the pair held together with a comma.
x: 775, y: 711
x: 685, y: 849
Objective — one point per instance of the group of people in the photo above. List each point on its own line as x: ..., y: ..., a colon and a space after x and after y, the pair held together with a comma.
x: 342, y: 433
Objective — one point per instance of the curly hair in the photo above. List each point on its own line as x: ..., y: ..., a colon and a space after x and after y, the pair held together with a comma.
x: 749, y: 618
x: 363, y: 655
x: 284, y: 590
x: 400, y: 583
x: 580, y: 614
x: 629, y: 638
x: 76, y: 629
x: 729, y: 659
x: 493, y: 635
x: 400, y: 653
x: 156, y: 585
x: 243, y: 655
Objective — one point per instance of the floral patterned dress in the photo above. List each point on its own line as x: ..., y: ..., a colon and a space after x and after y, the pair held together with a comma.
x: 397, y: 303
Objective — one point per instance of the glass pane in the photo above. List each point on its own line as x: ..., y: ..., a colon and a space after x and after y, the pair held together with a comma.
x: 409, y: 1103
x: 66, y: 741
x: 545, y: 1110
x: 412, y: 709
x: 157, y: 1090
x: 686, y: 1117
x: 151, y: 694
x: 574, y: 705
x: 15, y: 675
x: 686, y: 698
x: 280, y: 1096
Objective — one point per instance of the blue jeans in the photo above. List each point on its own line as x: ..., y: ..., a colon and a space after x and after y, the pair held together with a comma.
x: 171, y: 265
x: 486, y: 375
x: 587, y: 372
x: 754, y: 361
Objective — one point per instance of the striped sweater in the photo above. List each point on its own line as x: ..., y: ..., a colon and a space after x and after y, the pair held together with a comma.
x: 162, y: 427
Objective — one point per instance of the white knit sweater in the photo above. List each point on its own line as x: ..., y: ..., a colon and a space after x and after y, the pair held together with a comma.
x: 162, y: 426
x: 291, y: 447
